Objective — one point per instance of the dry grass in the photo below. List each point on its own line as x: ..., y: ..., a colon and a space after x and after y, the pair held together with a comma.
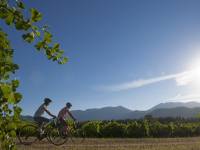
x: 122, y: 144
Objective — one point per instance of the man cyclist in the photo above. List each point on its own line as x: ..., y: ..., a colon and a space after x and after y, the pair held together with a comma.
x: 40, y: 111
x: 62, y: 115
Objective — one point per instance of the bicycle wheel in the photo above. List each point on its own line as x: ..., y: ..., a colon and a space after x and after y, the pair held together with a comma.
x: 77, y: 136
x: 56, y: 137
x: 28, y: 134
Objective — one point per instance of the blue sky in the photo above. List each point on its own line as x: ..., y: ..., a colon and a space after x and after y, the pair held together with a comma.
x: 121, y: 52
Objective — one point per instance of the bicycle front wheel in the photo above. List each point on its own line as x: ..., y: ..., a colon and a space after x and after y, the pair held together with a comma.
x: 28, y: 134
x: 77, y: 136
x: 56, y: 137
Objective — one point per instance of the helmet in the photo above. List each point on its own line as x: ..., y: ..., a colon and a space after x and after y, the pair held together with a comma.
x: 47, y: 100
x: 68, y: 104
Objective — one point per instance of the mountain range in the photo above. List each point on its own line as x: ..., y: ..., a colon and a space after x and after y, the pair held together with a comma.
x: 170, y: 109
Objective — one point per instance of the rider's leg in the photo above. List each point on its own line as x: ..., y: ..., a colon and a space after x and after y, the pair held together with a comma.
x: 41, y: 122
x: 64, y: 127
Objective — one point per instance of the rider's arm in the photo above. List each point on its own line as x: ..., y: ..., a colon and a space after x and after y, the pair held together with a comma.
x: 48, y: 112
x: 70, y: 114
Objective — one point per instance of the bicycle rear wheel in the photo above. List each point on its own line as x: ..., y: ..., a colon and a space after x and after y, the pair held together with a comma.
x: 28, y: 134
x: 56, y: 137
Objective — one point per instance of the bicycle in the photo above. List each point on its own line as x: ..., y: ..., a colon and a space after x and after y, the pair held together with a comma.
x: 74, y: 133
x: 52, y: 131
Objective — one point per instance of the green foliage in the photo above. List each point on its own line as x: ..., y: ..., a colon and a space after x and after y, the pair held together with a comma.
x: 140, y: 129
x: 113, y: 129
x: 8, y: 95
x: 14, y: 16
x: 91, y: 129
x: 134, y: 129
x: 161, y: 130
x: 184, y: 130
x: 137, y: 129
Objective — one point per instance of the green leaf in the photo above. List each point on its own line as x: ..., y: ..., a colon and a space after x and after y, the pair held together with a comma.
x: 9, y: 19
x: 39, y: 45
x: 61, y: 52
x: 35, y: 15
x: 35, y: 28
x: 26, y: 25
x: 22, y: 25
x: 6, y: 90
x: 37, y: 33
x: 29, y: 37
x: 15, y: 67
x: 11, y: 98
x: 63, y: 61
x: 47, y: 37
x: 17, y: 97
x: 17, y: 110
x: 3, y: 14
x: 20, y: 4
x: 15, y: 83
x: 19, y: 25
x: 56, y: 46
x: 48, y: 53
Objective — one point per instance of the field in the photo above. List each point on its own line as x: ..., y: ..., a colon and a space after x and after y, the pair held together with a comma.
x: 122, y: 144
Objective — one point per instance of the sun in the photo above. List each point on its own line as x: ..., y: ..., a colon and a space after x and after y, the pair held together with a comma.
x: 191, y: 76
x: 194, y: 73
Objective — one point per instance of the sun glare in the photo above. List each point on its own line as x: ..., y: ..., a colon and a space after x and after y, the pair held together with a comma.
x: 194, y: 72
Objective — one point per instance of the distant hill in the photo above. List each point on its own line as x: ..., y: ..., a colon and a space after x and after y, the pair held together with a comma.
x: 136, y: 114
x: 171, y: 109
x: 183, y: 112
x: 106, y: 113
x: 191, y: 104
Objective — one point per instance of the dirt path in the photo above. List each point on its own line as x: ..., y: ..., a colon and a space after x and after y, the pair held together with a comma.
x: 122, y: 144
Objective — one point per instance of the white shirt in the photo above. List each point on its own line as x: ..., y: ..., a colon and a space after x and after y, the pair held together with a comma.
x: 40, y: 111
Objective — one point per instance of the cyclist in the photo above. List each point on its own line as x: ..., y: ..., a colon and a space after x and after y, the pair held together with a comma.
x: 62, y: 115
x: 40, y: 111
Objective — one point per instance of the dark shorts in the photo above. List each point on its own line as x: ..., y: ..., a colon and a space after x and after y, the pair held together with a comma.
x: 41, y: 120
